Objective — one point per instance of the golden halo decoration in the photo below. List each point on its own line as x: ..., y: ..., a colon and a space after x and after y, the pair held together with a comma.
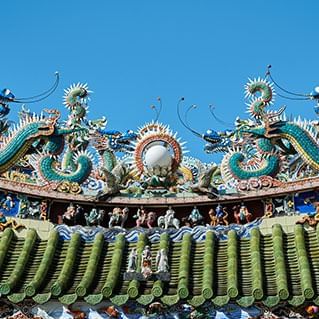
x: 155, y: 133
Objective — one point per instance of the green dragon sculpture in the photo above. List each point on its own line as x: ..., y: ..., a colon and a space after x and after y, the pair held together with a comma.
x: 65, y: 156
x: 75, y: 100
x: 272, y: 135
x: 46, y: 161
x: 32, y: 129
x: 70, y: 143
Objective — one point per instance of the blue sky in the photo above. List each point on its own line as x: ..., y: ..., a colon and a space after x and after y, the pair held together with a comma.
x: 131, y: 52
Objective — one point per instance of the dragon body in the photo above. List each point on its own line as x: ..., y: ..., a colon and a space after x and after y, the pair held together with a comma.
x: 264, y: 163
x: 48, y: 166
x: 19, y: 139
x: 31, y: 129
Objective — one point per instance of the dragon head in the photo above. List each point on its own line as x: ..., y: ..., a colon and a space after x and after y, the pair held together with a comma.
x: 114, y: 140
x: 266, y: 127
x: 121, y: 142
x: 76, y: 95
x: 6, y: 96
x: 217, y: 141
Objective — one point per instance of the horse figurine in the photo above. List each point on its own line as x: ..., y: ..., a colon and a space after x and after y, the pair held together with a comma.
x: 168, y: 220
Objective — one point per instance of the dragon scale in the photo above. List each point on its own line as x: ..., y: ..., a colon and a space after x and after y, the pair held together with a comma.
x: 19, y: 140
x: 303, y: 141
x: 49, y: 171
x: 48, y: 165
x: 234, y: 164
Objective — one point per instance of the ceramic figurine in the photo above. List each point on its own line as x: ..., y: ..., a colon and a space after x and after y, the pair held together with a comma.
x: 145, y: 218
x: 195, y: 217
x: 146, y: 264
x: 212, y: 216
x: 168, y: 220
x: 140, y: 216
x: 118, y: 216
x: 162, y: 261
x: 218, y: 216
x: 68, y: 216
x: 95, y: 217
x: 132, y: 262
x: 241, y: 214
x: 44, y: 210
x: 269, y: 208
x: 7, y: 203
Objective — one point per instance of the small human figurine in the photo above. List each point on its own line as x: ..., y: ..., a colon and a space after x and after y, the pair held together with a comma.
x: 195, y: 217
x: 241, y: 214
x: 140, y: 216
x: 145, y: 218
x: 269, y: 208
x: 132, y: 261
x: 146, y: 263
x: 115, y: 216
x: 95, y: 217
x: 150, y: 219
x: 118, y: 216
x: 168, y: 220
x: 44, y: 210
x: 124, y: 216
x: 68, y: 216
x: 169, y: 217
x: 79, y: 214
x: 162, y: 261
x: 221, y: 215
x: 8, y: 203
x: 212, y: 216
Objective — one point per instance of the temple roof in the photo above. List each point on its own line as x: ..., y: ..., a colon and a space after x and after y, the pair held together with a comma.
x: 268, y: 268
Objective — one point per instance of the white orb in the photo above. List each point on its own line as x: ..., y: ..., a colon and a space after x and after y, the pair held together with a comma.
x: 158, y: 155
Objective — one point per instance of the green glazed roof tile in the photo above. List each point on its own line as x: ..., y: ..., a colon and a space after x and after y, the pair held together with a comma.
x: 268, y: 268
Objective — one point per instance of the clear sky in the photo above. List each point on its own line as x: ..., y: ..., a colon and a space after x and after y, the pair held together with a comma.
x: 131, y: 52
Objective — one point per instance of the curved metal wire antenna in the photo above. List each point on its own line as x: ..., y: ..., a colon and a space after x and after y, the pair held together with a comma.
x: 42, y: 96
x: 191, y: 107
x: 211, y: 109
x: 157, y: 110
x: 184, y: 123
x: 300, y: 95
